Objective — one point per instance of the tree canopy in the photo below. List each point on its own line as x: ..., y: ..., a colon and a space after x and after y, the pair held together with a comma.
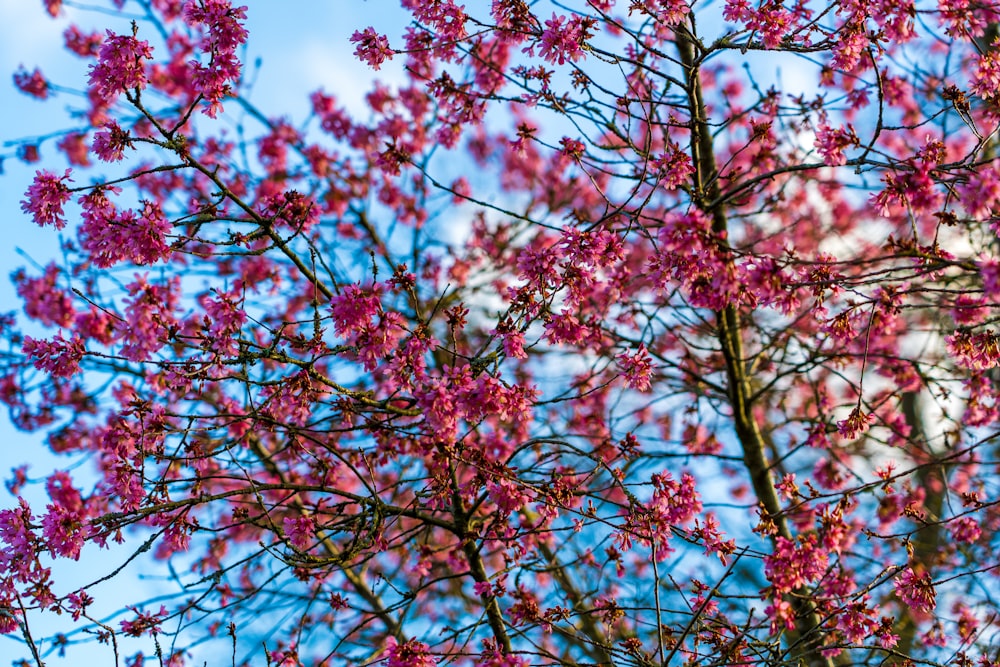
x: 585, y: 344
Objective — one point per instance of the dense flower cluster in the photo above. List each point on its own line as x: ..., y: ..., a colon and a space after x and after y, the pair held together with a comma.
x: 121, y: 67
x: 46, y: 197
x: 32, y: 83
x: 373, y: 48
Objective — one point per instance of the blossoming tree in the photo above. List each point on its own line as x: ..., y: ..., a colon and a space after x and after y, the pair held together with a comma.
x: 688, y: 369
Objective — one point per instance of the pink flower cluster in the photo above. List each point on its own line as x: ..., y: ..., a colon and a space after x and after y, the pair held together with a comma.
x: 43, y: 299
x: 32, y: 83
x: 110, y: 142
x: 144, y: 623
x: 976, y: 351
x: 58, y: 356
x: 410, y: 654
x: 65, y: 526
x: 638, y: 368
x: 120, y: 67
x: 353, y: 310
x: 831, y: 142
x: 372, y: 48
x: 563, y: 38
x: 300, y: 530
x: 223, y: 33
x: 673, y: 167
x: 83, y: 44
x: 125, y: 236
x: 45, y: 198
x: 74, y: 147
x: 492, y: 656
x: 793, y: 564
x: 508, y: 495
x: 915, y: 590
x: 986, y: 77
x: 856, y: 423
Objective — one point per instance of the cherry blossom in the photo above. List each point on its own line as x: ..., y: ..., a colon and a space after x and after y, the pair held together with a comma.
x: 585, y: 336
x: 46, y: 197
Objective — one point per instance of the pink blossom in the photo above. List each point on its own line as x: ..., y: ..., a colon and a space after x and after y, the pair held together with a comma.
x: 830, y: 143
x: 148, y: 317
x: 508, y: 495
x: 976, y: 351
x: 59, y: 356
x: 857, y: 622
x: 74, y: 146
x: 224, y: 317
x: 222, y: 23
x: 794, y: 564
x: 675, y: 502
x: 986, y: 77
x: 65, y: 525
x: 120, y: 67
x: 885, y: 635
x: 28, y: 153
x: 82, y: 44
x: 33, y: 83
x: 829, y: 474
x: 110, y: 142
x: 782, y: 616
x: 411, y: 654
x: 43, y: 299
x: 849, y: 48
x: 513, y: 345
x: 144, y: 622
x: 353, y: 309
x: 572, y: 148
x: 299, y: 530
x: 969, y: 310
x: 964, y: 530
x: 334, y: 120
x: 45, y: 198
x: 674, y: 168
x: 638, y: 368
x: 673, y: 12
x: 21, y: 544
x: 492, y: 656
x: 989, y: 269
x: 563, y: 39
x: 565, y: 328
x: 855, y: 424
x: 78, y: 603
x: 222, y: 33
x: 737, y: 11
x: 372, y: 48
x: 915, y: 590
x: 126, y: 236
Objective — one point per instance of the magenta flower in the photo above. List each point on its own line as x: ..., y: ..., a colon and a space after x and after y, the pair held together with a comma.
x: 915, y: 590
x: 110, y: 143
x: 45, y: 198
x: 372, y: 48
x: 856, y: 423
x: 120, y: 67
x: 58, y: 356
x: 410, y: 654
x: 32, y: 83
x: 563, y: 39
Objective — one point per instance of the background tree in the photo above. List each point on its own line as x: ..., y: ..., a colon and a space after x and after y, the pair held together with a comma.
x: 688, y: 369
